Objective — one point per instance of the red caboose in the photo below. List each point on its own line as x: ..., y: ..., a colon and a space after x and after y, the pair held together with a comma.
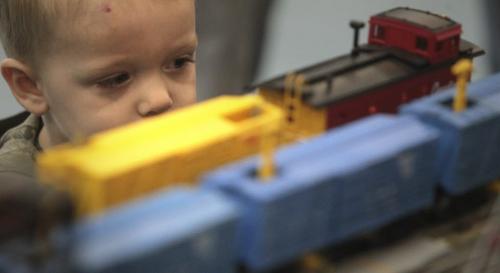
x: 409, y: 55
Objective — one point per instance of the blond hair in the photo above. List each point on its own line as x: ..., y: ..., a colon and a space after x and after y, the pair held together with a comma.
x: 28, y: 26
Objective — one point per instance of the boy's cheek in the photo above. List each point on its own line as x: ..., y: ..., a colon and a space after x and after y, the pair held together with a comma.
x: 187, y: 96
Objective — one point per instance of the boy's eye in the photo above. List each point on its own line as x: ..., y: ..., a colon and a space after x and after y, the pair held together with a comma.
x: 179, y: 63
x: 115, y: 81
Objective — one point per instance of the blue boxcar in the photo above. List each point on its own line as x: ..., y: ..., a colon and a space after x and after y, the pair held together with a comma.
x: 487, y: 92
x: 180, y: 231
x: 469, y: 141
x: 353, y: 179
x: 485, y: 87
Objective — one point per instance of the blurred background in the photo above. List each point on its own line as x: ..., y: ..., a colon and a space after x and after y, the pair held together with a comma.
x: 243, y: 41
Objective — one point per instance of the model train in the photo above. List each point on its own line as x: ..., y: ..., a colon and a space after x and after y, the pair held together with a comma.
x: 351, y: 180
x: 347, y: 181
x: 377, y: 77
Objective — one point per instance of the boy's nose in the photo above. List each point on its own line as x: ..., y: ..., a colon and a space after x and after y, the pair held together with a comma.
x: 156, y: 101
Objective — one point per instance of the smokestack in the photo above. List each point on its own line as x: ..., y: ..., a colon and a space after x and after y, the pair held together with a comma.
x: 356, y: 26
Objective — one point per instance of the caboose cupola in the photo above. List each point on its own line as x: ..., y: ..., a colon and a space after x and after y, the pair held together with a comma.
x: 429, y: 35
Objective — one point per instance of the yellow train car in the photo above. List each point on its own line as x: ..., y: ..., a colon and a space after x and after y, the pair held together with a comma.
x: 115, y: 166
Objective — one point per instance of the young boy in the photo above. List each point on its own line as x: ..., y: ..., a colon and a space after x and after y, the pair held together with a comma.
x: 84, y: 66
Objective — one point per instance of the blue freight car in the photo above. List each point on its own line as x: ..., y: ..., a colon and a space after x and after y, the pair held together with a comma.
x: 487, y: 92
x: 469, y: 146
x: 485, y: 87
x: 179, y: 231
x: 348, y: 181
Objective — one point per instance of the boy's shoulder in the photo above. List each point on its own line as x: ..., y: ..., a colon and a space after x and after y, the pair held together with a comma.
x: 18, y: 148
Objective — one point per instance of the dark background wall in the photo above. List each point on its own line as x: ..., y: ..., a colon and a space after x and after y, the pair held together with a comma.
x: 492, y: 8
x: 230, y: 34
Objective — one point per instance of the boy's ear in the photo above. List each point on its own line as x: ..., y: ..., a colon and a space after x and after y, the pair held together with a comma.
x: 24, y: 86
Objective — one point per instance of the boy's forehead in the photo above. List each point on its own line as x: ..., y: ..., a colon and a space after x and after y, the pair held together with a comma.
x: 109, y: 6
x: 103, y: 17
x: 85, y: 12
x: 117, y: 25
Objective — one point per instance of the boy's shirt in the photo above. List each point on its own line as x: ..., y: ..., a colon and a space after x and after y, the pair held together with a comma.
x: 18, y: 148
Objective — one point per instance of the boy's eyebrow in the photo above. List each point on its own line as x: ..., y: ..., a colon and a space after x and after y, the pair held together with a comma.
x: 105, y: 66
x: 190, y: 44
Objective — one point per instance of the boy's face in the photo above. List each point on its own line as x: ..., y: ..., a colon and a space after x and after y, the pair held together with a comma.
x: 119, y: 62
